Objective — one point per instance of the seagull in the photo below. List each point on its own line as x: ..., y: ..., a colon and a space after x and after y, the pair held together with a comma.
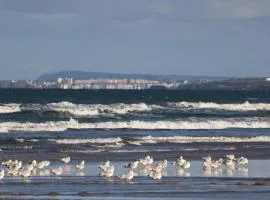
x: 25, y: 173
x: 145, y: 170
x: 29, y: 167
x: 242, y: 161
x: 144, y: 162
x: 206, y: 165
x: 229, y: 163
x: 107, y: 172
x: 40, y: 165
x: 132, y: 165
x: 149, y: 159
x: 215, y: 165
x: 180, y: 161
x: 163, y: 163
x: 58, y: 171
x: 13, y: 172
x: 105, y: 165
x: 155, y: 175
x: 80, y: 165
x: 34, y: 163
x: 2, y: 174
x: 158, y: 168
x: 186, y: 165
x: 230, y: 156
x: 66, y: 159
x: 46, y: 163
x: 207, y: 158
x: 6, y: 163
x: 128, y: 176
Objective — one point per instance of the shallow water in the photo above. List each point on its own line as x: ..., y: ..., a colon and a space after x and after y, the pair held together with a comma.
x: 176, y: 182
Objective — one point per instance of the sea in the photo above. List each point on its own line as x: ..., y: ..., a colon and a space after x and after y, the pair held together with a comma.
x: 125, y: 125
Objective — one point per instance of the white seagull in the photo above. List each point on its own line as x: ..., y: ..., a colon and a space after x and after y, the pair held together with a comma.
x: 80, y: 165
x: 66, y: 159
x: 128, y: 176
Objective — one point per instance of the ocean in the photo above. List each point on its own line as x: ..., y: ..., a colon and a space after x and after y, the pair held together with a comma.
x: 123, y: 125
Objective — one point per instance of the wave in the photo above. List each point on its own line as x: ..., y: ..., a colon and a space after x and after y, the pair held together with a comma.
x: 190, y: 123
x: 246, y: 106
x: 96, y: 109
x: 169, y: 139
x: 90, y: 110
x: 10, y: 108
x: 195, y: 139
x: 85, y: 141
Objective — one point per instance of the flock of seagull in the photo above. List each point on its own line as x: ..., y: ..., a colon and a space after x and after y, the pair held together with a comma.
x: 146, y: 165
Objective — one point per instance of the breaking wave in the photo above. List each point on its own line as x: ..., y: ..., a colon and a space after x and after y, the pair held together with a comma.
x: 85, y: 141
x: 10, y: 108
x: 187, y: 123
x: 89, y: 110
x: 170, y: 139
x: 95, y: 109
x: 246, y: 106
x: 190, y: 139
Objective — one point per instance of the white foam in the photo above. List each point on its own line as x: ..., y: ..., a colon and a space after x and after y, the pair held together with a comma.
x: 97, y: 109
x: 191, y: 123
x: 191, y: 139
x: 10, y: 108
x: 198, y: 123
x: 246, y: 106
x: 84, y: 110
x: 85, y: 141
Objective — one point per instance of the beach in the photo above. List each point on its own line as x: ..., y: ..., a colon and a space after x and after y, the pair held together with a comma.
x: 96, y: 128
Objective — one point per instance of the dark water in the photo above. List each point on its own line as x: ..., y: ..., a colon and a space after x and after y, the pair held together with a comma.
x: 124, y: 125
x: 129, y: 96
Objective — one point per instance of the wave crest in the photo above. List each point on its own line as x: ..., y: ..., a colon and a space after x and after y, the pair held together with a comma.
x: 246, y: 106
x: 191, y: 123
x: 10, y: 108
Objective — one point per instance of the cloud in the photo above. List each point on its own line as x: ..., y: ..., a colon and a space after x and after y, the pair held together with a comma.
x: 240, y: 9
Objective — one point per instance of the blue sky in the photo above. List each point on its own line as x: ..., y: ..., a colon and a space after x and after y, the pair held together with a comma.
x: 188, y: 37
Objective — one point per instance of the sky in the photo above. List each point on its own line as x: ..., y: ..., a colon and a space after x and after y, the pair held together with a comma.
x: 185, y: 37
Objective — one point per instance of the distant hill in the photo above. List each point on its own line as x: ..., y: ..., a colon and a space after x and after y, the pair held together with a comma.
x: 95, y: 75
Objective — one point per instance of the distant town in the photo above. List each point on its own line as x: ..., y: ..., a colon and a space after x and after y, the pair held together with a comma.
x: 139, y: 82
